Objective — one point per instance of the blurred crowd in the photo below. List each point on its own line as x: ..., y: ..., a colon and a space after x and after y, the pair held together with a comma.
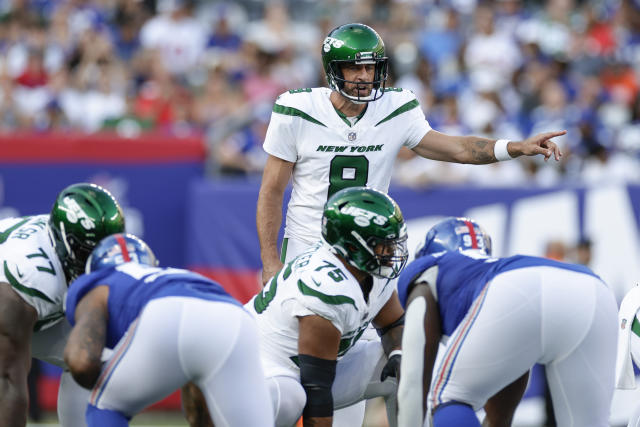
x: 501, y: 68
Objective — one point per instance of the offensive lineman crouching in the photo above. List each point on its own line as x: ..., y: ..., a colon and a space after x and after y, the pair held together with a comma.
x: 312, y: 312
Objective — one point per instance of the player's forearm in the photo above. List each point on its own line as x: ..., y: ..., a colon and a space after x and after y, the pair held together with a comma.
x: 478, y: 151
x: 268, y: 222
x: 392, y: 340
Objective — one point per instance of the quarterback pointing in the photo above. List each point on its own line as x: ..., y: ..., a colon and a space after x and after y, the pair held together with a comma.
x: 312, y: 313
x: 39, y: 256
x: 349, y: 134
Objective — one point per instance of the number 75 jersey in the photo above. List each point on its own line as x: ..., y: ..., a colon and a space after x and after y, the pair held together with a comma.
x: 332, y: 152
x: 314, y: 283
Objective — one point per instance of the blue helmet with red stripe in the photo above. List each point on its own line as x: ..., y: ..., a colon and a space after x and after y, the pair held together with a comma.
x: 455, y: 234
x: 118, y: 249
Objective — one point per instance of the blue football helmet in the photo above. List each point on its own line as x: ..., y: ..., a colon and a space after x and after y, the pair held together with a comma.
x: 118, y: 249
x: 455, y: 234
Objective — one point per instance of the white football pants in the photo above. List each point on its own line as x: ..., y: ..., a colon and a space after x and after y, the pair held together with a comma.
x: 560, y: 318
x: 180, y: 339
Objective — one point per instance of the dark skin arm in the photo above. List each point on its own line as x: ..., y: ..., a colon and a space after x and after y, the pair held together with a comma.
x: 319, y: 338
x: 84, y: 347
x: 433, y: 334
x: 501, y: 407
x: 389, y: 313
x: 17, y: 319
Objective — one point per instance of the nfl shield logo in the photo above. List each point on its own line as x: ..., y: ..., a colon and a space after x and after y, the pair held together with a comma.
x: 352, y: 136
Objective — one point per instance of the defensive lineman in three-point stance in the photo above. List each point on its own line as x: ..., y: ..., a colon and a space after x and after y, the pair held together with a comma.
x: 167, y: 327
x: 499, y: 316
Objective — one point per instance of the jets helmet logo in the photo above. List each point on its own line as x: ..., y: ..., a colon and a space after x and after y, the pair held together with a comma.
x: 364, y: 217
x: 75, y: 214
x: 330, y: 42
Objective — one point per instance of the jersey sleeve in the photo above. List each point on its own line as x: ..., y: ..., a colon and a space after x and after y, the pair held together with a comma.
x: 318, y: 296
x: 41, y: 290
x: 280, y: 139
x: 416, y: 123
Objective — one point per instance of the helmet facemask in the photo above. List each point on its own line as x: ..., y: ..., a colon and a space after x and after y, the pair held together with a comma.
x: 388, y: 256
x: 336, y: 79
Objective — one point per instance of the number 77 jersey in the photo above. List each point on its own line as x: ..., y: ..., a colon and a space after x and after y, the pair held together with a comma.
x: 332, y: 152
x: 314, y: 283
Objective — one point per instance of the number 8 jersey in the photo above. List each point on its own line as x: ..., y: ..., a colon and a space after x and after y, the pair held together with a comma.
x: 332, y: 152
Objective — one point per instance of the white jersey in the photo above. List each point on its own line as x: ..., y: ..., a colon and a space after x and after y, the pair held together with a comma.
x: 29, y: 264
x: 330, y: 153
x: 315, y: 283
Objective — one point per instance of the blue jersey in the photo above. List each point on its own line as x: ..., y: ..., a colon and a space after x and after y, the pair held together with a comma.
x: 132, y: 286
x: 460, y: 278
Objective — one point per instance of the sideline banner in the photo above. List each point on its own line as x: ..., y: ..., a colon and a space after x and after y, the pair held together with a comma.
x: 222, y: 240
x: 149, y: 176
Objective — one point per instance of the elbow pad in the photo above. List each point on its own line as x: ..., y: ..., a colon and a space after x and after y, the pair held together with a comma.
x: 316, y: 377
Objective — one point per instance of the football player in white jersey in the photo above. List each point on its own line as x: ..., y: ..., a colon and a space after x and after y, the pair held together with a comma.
x: 40, y: 256
x: 312, y: 313
x: 349, y: 134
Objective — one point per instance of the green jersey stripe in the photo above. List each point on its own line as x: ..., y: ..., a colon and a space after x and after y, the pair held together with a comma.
x: 5, y: 234
x: 635, y: 326
x: 24, y: 289
x: 327, y: 299
x: 403, y: 109
x: 290, y: 111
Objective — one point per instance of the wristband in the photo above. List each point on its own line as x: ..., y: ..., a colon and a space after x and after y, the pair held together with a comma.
x: 395, y: 353
x: 500, y: 150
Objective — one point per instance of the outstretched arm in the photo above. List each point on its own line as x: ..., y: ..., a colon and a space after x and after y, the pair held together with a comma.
x: 269, y: 213
x: 87, y: 339
x: 17, y: 319
x: 476, y: 150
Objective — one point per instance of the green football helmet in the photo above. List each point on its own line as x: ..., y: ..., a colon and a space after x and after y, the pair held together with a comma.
x: 82, y: 215
x: 359, y: 44
x: 366, y: 227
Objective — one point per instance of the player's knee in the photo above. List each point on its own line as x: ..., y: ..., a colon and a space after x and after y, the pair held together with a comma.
x: 288, y: 399
x: 454, y: 413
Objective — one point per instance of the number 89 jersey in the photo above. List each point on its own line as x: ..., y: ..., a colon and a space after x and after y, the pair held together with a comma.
x: 332, y: 152
x: 314, y: 283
